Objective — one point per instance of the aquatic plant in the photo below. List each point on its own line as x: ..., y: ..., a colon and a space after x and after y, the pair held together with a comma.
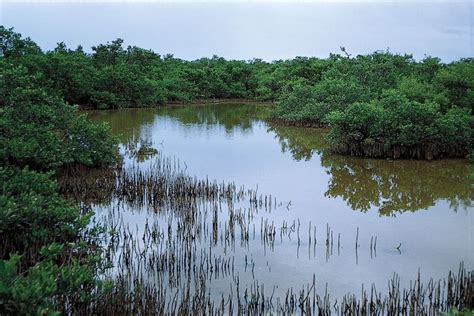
x: 192, y: 236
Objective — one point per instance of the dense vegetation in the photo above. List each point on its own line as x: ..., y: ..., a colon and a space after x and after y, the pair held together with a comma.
x: 378, y: 105
x: 386, y: 105
x: 48, y: 258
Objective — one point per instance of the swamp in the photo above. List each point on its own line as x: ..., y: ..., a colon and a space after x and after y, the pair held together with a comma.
x: 280, y: 225
x: 254, y: 158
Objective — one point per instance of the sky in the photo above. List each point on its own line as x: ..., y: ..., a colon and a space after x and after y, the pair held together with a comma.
x: 235, y: 1
x: 252, y: 29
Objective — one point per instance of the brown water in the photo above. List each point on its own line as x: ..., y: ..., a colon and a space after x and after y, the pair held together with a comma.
x: 421, y: 212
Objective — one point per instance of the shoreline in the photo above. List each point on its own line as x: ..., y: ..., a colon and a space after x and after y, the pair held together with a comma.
x: 299, y: 124
x: 197, y: 102
x: 425, y: 152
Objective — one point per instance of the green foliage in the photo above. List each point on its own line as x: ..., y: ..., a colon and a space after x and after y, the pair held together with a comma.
x: 455, y: 312
x: 374, y: 72
x: 415, y: 89
x: 41, y: 130
x: 58, y: 270
x: 12, y: 45
x: 367, y: 126
x: 457, y: 79
x: 114, y: 76
x: 298, y: 103
x: 389, y: 100
x: 396, y: 120
x: 49, y: 264
x: 32, y: 213
x: 304, y: 102
x: 49, y: 288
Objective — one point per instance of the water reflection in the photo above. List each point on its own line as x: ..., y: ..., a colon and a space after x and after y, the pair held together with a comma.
x: 399, y: 186
x: 300, y: 142
x: 131, y: 124
x: 233, y: 144
x: 391, y: 187
x: 229, y: 116
x: 130, y: 127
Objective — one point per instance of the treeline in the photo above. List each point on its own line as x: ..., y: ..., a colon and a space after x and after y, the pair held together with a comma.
x: 49, y: 256
x: 378, y: 105
x: 114, y: 76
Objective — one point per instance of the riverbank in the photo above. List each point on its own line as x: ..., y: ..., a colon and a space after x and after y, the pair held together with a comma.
x: 370, y: 149
x: 374, y: 197
x: 301, y: 123
x: 379, y: 97
x: 197, y: 102
x: 218, y: 101
x: 426, y: 151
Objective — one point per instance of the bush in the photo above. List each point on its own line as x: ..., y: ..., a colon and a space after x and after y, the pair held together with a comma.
x: 49, y: 259
x: 50, y: 288
x: 394, y: 120
x: 42, y: 131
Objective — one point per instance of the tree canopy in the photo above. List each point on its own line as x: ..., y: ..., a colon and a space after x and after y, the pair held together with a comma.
x: 48, y: 256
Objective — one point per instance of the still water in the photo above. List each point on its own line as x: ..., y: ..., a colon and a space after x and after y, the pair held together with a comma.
x: 421, y: 212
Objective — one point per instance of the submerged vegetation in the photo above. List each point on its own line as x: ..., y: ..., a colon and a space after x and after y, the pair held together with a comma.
x: 55, y: 165
x: 191, y: 239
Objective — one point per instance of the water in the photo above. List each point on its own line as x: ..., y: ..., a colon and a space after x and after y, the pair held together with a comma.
x: 251, y: 29
x: 424, y: 206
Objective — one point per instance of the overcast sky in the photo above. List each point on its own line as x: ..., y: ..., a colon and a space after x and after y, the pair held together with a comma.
x: 252, y: 29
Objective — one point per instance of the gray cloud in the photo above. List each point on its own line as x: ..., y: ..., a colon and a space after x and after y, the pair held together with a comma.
x: 247, y: 30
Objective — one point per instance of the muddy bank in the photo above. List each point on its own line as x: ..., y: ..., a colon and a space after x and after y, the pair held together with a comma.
x: 426, y: 151
x: 197, y: 102
x: 217, y: 101
x: 303, y: 123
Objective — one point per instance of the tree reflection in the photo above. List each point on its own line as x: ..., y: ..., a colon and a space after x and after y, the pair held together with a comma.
x: 230, y: 116
x: 130, y: 127
x: 302, y: 143
x: 390, y: 186
x: 398, y: 186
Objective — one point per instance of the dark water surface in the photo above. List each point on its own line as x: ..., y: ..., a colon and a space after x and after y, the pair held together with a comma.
x: 424, y: 206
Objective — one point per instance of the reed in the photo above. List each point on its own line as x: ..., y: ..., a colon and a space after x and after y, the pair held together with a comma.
x: 189, y: 241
